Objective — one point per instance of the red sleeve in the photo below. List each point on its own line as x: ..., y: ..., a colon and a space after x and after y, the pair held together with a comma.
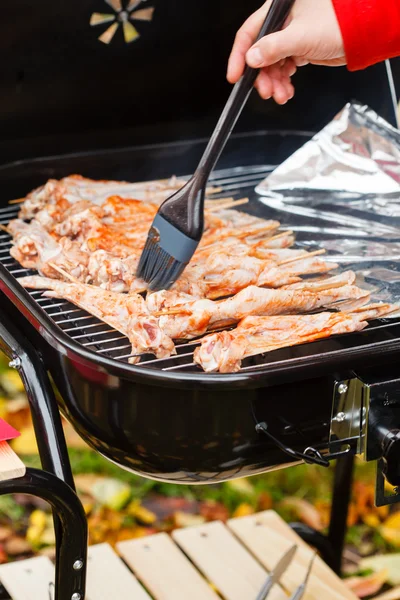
x: 370, y: 30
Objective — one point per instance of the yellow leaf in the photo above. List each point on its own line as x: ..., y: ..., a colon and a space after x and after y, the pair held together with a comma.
x: 241, y: 486
x: 3, y: 407
x: 12, y: 382
x: 135, y: 509
x: 243, y: 510
x: 87, y: 507
x: 38, y: 519
x: 390, y: 529
x: 25, y: 444
x: 112, y: 493
x: 182, y: 519
x: 48, y: 537
x: 33, y: 535
x: 372, y: 520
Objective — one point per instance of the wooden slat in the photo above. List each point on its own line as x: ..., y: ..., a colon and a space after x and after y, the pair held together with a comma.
x: 109, y: 578
x: 31, y: 579
x: 11, y: 466
x: 268, y: 536
x: 225, y: 562
x: 164, y: 569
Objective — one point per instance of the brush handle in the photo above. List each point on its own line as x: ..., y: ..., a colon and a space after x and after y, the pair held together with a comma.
x: 275, y: 20
x: 185, y: 209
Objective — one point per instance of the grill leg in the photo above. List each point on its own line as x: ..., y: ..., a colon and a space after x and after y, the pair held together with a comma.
x: 340, y: 507
x: 45, y: 415
x: 72, y: 519
x: 331, y: 546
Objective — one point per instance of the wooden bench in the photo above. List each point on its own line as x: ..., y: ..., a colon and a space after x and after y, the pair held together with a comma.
x: 205, y: 562
x: 196, y: 563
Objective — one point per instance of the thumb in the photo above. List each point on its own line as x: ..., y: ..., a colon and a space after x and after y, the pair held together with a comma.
x: 275, y: 47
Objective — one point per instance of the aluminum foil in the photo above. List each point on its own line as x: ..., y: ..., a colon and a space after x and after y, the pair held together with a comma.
x: 341, y: 192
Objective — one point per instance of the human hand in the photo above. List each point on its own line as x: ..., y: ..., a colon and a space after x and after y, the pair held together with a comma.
x: 311, y: 35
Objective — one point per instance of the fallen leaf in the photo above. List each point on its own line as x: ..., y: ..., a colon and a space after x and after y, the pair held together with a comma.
x: 372, y: 520
x: 5, y: 533
x: 391, y: 562
x: 164, y: 508
x: 390, y: 529
x: 182, y: 519
x: 305, y: 511
x: 3, y: 407
x: 112, y: 493
x: 48, y: 537
x: 84, y: 483
x: 25, y: 444
x: 18, y: 404
x: 37, y: 526
x: 243, y: 510
x: 241, y: 486
x: 140, y: 513
x: 265, y: 501
x: 17, y: 545
x: 38, y: 518
x: 352, y: 515
x: 367, y: 586
x: 11, y: 382
x: 324, y: 510
x: 214, y: 511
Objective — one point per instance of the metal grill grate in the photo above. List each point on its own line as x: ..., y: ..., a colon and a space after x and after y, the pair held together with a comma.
x: 100, y: 338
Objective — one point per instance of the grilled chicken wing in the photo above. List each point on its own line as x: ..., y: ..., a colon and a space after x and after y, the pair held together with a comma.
x: 225, y: 351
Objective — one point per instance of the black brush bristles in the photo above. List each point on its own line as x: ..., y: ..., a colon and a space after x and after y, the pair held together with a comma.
x: 166, y: 254
x: 158, y: 268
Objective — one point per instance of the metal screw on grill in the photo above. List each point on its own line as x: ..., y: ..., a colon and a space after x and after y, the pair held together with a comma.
x: 76, y: 596
x: 15, y: 363
x: 78, y: 564
x: 340, y: 417
x: 342, y: 388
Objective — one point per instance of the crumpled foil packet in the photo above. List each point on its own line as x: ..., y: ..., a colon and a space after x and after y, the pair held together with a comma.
x: 341, y: 192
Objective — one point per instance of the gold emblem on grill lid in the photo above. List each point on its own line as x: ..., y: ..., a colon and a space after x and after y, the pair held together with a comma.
x: 124, y: 14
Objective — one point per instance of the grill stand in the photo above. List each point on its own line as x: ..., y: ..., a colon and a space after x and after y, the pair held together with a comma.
x: 55, y: 462
x: 72, y: 529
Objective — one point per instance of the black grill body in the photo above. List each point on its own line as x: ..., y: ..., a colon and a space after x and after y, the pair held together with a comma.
x: 167, y: 419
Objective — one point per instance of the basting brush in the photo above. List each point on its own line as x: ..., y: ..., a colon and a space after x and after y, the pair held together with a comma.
x: 178, y: 226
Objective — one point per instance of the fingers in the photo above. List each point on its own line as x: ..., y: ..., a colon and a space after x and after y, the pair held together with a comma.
x: 274, y: 82
x: 245, y: 38
x: 275, y: 47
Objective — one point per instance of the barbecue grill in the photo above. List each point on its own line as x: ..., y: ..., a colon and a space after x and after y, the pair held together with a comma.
x: 165, y: 419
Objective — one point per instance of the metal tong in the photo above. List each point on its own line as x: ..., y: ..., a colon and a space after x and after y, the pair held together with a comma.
x: 279, y: 570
